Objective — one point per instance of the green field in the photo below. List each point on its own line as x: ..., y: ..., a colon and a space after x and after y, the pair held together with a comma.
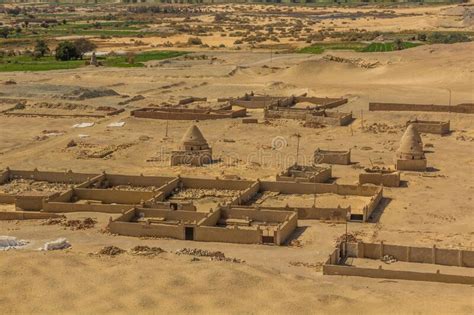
x: 27, y: 63
x: 356, y: 46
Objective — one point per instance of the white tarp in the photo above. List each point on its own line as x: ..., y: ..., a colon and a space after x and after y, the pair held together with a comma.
x: 116, y: 124
x: 83, y: 125
x: 10, y: 242
x: 60, y: 243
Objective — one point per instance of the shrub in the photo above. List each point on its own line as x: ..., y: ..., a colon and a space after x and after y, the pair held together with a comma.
x: 441, y: 38
x: 194, y: 41
x: 83, y: 45
x: 41, y: 48
x: 66, y: 51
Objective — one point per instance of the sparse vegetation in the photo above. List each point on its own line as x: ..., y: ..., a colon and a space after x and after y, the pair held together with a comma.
x: 361, y: 47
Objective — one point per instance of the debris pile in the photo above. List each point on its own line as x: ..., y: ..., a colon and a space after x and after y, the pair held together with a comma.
x: 81, y: 94
x: 111, y: 251
x: 382, y: 128
x: 17, y: 186
x: 146, y: 250
x: 358, y: 62
x: 86, y: 223
x: 10, y: 242
x: 388, y: 259
x: 60, y: 243
x: 349, y: 237
x: 217, y: 255
x: 295, y: 243
x: 317, y: 265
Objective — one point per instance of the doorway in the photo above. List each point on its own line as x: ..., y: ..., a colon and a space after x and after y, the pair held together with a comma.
x: 189, y: 233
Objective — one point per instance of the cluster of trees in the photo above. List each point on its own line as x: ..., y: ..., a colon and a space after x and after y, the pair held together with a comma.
x: 67, y: 50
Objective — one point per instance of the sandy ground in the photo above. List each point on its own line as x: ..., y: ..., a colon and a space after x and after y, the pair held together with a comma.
x: 433, y: 208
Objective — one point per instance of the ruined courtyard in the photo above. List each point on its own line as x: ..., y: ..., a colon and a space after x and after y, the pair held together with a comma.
x: 214, y: 167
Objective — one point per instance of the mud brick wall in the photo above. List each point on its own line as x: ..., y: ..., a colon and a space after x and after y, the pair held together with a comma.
x: 209, y: 183
x: 217, y: 234
x: 426, y: 255
x: 286, y: 229
x: 388, y: 179
x: 395, y: 274
x: 467, y: 108
x: 155, y: 230
x: 434, y: 127
x: 54, y: 177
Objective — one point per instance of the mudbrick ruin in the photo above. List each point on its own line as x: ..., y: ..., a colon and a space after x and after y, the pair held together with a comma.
x: 250, y: 157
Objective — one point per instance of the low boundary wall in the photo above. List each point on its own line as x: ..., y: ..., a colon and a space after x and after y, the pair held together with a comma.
x: 388, y: 179
x: 187, y: 114
x: 424, y: 255
x: 434, y: 127
x: 465, y: 108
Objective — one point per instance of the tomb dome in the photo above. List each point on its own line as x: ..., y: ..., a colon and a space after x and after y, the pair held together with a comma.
x: 411, y: 145
x: 193, y: 139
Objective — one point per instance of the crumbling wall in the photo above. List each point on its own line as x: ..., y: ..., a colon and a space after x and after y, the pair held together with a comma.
x: 247, y: 194
x: 26, y: 215
x: 323, y: 102
x: 192, y: 99
x: 466, y: 108
x: 378, y: 178
x: 32, y: 202
x: 4, y: 176
x: 52, y: 177
x: 141, y: 181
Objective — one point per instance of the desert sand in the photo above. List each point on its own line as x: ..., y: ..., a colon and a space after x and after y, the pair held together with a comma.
x: 433, y: 208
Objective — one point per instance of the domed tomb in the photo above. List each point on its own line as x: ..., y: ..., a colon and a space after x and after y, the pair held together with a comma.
x: 411, y: 145
x: 193, y: 150
x: 193, y: 140
x: 410, y: 155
